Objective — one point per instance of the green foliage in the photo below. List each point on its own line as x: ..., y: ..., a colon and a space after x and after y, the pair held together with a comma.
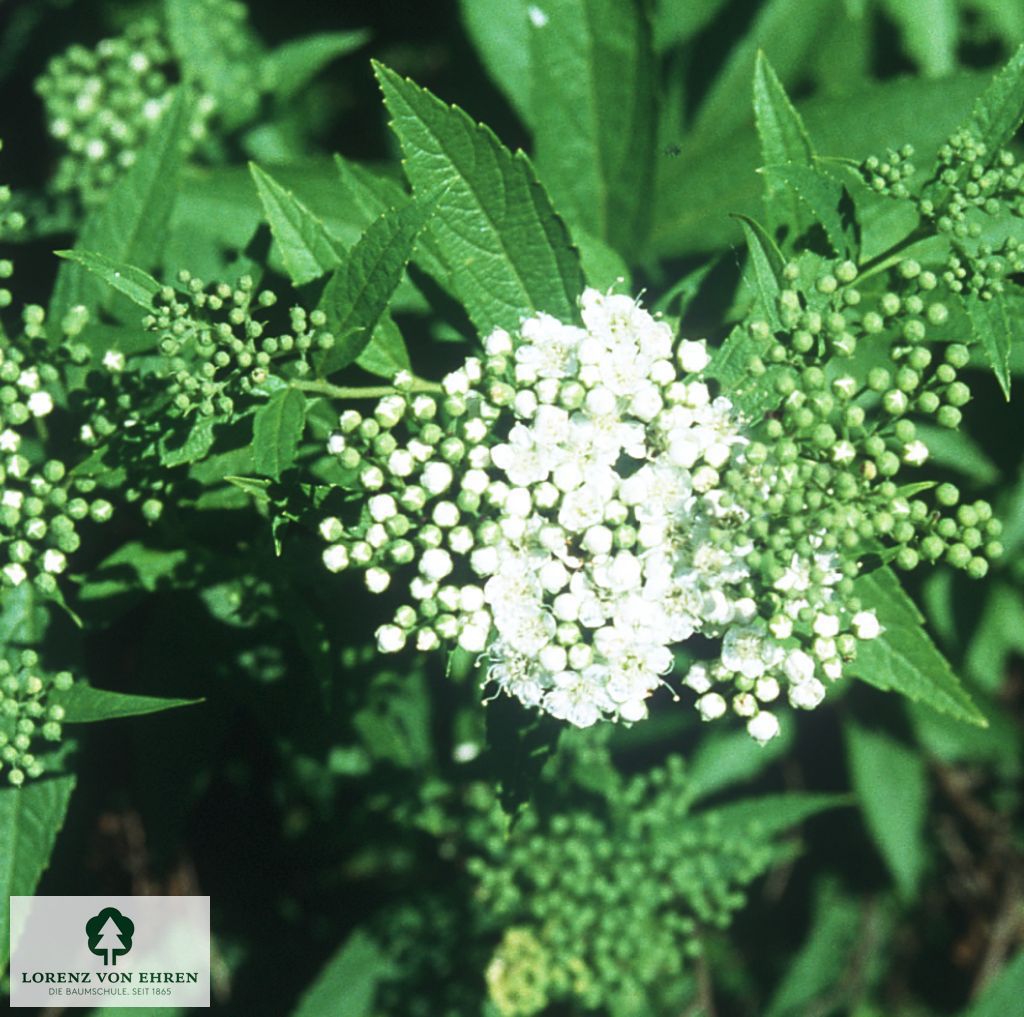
x: 264, y: 365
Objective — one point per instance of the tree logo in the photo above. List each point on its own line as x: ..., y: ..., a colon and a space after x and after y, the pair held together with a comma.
x: 110, y: 935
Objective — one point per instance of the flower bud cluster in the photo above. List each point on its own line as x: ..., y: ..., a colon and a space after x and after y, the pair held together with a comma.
x: 26, y: 715
x: 590, y: 897
x: 40, y: 503
x: 889, y: 174
x: 579, y: 506
x: 217, y: 345
x: 102, y: 104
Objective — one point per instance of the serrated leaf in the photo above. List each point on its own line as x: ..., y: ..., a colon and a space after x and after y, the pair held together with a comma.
x: 891, y: 781
x: 359, y: 291
x: 194, y: 447
x: 292, y: 65
x: 993, y: 326
x: 138, y: 286
x: 766, y: 262
x: 306, y: 247
x: 85, y: 705
x: 903, y: 658
x: 784, y: 139
x: 820, y: 195
x: 276, y: 430
x: 30, y: 819
x: 593, y: 113
x: 752, y: 394
x: 930, y: 32
x: 385, y: 354
x: 999, y: 110
x: 347, y: 984
x: 716, y: 175
x: 500, y: 33
x: 132, y: 566
x: 509, y: 253
x: 130, y: 226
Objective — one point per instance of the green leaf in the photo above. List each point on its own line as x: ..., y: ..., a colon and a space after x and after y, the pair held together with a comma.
x: 930, y: 32
x: 999, y: 110
x: 196, y: 444
x: 359, y: 291
x: 821, y: 195
x: 138, y: 286
x: 730, y: 364
x: 766, y: 262
x: 772, y: 814
x: 675, y: 23
x: 730, y: 757
x: 130, y: 226
x: 819, y: 965
x: 891, y: 782
x: 132, y: 566
x: 276, y: 430
x: 957, y: 450
x: 1002, y: 996
x: 30, y: 819
x: 787, y: 30
x: 784, y: 139
x: 218, y: 52
x: 594, y: 114
x: 903, y: 658
x: 509, y: 253
x: 716, y: 175
x: 993, y: 326
x: 306, y: 247
x: 290, y: 67
x: 347, y: 985
x: 85, y: 705
x: 385, y: 354
x: 500, y: 33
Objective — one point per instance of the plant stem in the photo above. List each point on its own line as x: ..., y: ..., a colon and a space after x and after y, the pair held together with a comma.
x: 362, y: 391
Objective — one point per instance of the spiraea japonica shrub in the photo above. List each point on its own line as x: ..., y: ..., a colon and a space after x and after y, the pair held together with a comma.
x: 535, y: 540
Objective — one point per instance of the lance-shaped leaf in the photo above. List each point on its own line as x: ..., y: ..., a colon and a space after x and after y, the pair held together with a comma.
x: 130, y: 226
x: 594, y: 113
x: 276, y: 430
x: 891, y: 782
x: 784, y: 140
x: 509, y: 253
x: 993, y: 326
x: 999, y: 110
x: 903, y: 658
x: 500, y: 33
x: 307, y: 249
x: 30, y: 819
x: 289, y: 68
x: 85, y: 705
x: 138, y: 286
x: 358, y: 293
x: 819, y: 198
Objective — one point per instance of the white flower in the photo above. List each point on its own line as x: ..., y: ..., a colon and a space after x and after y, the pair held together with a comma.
x: 436, y: 563
x: 390, y: 639
x: 711, y: 706
x: 693, y: 356
x: 866, y: 625
x: 763, y: 727
x: 807, y: 694
x: 40, y: 404
x: 114, y: 361
x: 336, y: 558
x: 377, y: 580
x: 437, y: 477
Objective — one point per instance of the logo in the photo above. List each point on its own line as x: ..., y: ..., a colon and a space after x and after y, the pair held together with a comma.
x: 110, y: 935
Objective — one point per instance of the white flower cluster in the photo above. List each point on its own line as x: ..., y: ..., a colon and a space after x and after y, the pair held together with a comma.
x: 578, y: 495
